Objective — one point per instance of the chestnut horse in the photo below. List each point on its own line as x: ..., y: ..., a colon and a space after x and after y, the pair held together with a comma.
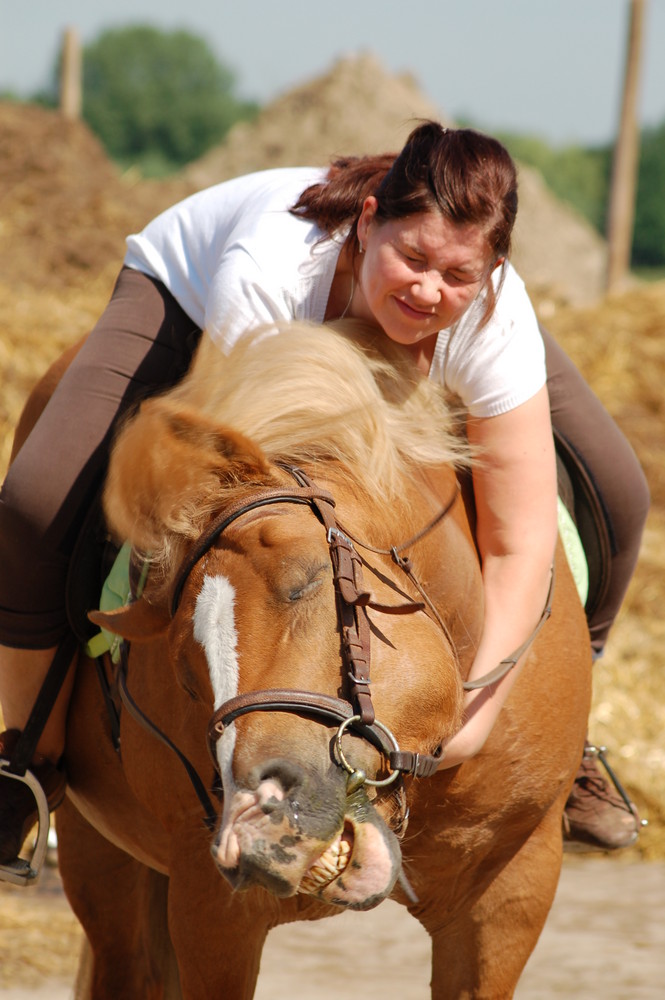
x: 311, y: 610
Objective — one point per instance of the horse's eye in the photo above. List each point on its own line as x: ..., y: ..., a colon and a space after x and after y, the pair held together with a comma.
x: 299, y: 592
x: 307, y: 582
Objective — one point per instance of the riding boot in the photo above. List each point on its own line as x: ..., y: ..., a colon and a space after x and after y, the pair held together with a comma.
x: 596, y: 816
x: 18, y: 807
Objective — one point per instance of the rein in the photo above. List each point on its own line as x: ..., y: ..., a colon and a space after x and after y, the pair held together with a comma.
x: 138, y: 715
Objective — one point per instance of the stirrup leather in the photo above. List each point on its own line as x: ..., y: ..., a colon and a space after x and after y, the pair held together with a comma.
x: 25, y: 871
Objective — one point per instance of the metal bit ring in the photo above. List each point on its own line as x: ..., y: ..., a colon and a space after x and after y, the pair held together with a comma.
x: 354, y: 771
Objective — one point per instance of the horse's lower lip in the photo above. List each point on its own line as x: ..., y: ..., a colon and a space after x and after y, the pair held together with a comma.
x: 329, y: 865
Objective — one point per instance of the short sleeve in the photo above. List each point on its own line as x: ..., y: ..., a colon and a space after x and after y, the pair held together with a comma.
x: 493, y: 368
x: 240, y: 298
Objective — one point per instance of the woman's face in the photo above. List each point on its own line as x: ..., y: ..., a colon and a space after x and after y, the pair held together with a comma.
x: 418, y: 275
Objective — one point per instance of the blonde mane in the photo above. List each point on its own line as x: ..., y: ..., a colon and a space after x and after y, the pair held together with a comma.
x: 323, y: 398
x: 308, y: 394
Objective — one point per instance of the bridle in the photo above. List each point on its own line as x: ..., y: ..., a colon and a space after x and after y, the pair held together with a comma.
x: 356, y: 712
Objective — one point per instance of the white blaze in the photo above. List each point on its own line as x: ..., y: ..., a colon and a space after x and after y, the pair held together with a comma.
x: 215, y: 630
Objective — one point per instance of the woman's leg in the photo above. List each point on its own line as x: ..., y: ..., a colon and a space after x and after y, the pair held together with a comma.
x: 22, y: 672
x: 613, y: 470
x: 142, y: 344
x: 595, y: 816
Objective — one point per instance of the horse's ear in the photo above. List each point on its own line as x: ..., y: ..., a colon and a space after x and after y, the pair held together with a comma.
x: 167, y: 467
x: 136, y: 622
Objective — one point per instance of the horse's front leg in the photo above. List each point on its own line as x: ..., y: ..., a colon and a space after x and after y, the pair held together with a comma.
x: 121, y: 905
x: 218, y: 935
x: 483, y: 953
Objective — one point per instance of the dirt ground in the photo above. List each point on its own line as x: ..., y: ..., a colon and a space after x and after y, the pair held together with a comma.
x: 605, y: 938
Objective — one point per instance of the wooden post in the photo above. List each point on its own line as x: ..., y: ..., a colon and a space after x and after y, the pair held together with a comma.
x: 621, y: 214
x: 70, y: 75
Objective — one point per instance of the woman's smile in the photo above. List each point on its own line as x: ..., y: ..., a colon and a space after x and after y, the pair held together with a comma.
x: 413, y: 314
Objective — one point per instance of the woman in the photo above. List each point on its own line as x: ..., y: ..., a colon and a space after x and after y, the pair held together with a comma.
x: 417, y: 245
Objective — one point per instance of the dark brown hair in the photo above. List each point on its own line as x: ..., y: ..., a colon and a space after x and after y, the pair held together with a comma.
x: 467, y: 176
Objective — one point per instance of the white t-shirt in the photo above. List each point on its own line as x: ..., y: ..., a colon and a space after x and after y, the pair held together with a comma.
x: 234, y: 258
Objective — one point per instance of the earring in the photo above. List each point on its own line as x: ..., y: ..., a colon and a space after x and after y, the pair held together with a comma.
x: 362, y: 248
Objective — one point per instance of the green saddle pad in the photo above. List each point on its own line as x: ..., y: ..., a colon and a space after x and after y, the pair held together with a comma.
x: 116, y: 592
x: 574, y: 552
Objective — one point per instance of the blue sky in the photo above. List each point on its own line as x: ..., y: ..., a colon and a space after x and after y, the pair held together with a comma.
x: 549, y: 67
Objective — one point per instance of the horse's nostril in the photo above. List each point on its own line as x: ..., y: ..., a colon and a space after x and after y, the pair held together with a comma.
x: 284, y: 774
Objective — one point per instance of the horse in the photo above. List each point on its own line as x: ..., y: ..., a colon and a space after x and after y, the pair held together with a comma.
x: 292, y: 666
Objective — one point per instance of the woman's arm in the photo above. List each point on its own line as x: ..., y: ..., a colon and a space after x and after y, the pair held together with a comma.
x: 516, y: 501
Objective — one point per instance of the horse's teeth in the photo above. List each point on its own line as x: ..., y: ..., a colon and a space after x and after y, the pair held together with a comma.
x: 326, y: 868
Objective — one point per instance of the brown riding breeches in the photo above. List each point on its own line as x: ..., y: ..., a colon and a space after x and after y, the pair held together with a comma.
x: 142, y: 344
x: 613, y: 470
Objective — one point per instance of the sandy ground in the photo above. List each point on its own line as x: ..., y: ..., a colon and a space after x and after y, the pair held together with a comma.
x: 605, y: 940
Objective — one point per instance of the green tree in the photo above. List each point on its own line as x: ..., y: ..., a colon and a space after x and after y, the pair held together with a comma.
x: 156, y: 96
x: 649, y: 233
x: 581, y: 176
x: 576, y: 175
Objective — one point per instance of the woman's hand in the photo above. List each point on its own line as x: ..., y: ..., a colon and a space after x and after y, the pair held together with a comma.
x: 515, y: 490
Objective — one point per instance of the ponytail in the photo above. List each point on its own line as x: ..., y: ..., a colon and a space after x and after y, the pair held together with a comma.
x: 336, y: 203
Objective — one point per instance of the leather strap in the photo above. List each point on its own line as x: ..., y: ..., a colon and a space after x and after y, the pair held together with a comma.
x: 150, y: 727
x: 327, y: 707
x: 420, y: 765
x: 24, y: 751
x: 507, y: 665
x: 352, y: 602
x: 333, y: 710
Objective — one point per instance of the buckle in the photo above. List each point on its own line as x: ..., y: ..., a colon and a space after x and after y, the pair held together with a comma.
x: 335, y: 536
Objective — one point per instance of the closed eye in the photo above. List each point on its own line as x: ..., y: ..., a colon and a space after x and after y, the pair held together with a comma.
x: 298, y: 593
x: 420, y: 263
x: 409, y: 253
x: 308, y: 582
x: 413, y: 258
x: 460, y: 279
